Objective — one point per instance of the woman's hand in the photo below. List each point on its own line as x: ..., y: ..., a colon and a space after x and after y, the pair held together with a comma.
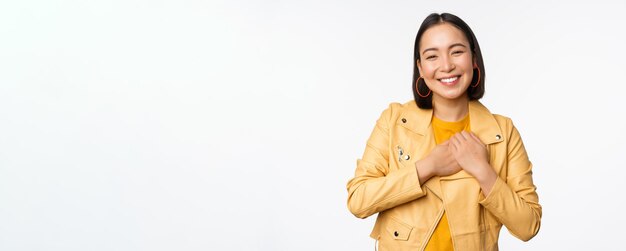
x: 439, y: 162
x: 471, y: 154
x: 444, y: 162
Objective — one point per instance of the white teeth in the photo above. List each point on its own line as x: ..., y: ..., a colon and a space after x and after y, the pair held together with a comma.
x: 449, y: 80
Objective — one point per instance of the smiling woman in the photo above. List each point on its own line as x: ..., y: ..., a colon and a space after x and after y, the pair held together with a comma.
x: 462, y: 52
x: 442, y: 172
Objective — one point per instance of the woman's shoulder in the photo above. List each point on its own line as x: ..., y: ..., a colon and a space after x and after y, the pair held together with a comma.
x: 502, y: 119
x: 506, y: 124
x: 406, y: 115
x: 482, y: 109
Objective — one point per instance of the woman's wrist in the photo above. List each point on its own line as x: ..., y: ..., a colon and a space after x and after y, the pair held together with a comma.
x: 424, y: 170
x: 487, y: 178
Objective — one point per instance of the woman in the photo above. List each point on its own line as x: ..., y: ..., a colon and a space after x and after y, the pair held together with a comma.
x: 442, y: 171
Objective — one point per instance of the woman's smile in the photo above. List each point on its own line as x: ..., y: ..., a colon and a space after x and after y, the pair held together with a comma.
x: 449, y: 81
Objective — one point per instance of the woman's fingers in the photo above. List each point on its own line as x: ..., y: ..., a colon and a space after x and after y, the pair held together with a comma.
x: 465, y: 141
x: 455, y: 144
x: 451, y: 145
x: 459, y: 140
x: 453, y: 140
x: 476, y: 138
x: 466, y: 135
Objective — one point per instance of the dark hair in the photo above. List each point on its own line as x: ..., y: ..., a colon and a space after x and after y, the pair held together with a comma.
x: 474, y: 93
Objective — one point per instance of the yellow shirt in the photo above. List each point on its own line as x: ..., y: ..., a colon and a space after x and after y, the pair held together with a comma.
x: 441, y: 239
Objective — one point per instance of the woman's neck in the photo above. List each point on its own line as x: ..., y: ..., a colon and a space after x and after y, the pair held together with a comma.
x: 450, y: 110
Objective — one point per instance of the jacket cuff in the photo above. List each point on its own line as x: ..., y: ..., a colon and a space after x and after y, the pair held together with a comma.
x: 408, y: 176
x: 495, y: 196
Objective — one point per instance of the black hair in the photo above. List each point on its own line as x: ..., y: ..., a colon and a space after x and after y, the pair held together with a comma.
x: 474, y: 93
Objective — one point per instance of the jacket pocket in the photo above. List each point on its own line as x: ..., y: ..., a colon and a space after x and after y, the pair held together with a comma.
x: 398, y: 230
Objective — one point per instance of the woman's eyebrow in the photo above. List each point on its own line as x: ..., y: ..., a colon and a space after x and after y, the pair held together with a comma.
x: 452, y: 45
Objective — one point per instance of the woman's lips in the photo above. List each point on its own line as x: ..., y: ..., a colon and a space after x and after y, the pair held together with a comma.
x: 449, y: 81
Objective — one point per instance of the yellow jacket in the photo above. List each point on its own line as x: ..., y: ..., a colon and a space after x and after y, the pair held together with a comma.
x: 386, y: 182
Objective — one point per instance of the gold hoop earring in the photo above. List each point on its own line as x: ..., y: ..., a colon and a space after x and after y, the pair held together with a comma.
x: 478, y: 81
x: 418, y: 89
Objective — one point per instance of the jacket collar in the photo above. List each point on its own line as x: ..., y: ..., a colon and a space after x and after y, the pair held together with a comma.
x: 482, y: 122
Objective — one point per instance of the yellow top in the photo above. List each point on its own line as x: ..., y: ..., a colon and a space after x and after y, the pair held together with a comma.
x: 441, y: 239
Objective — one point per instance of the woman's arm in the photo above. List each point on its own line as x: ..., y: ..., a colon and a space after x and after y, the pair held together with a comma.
x: 374, y: 188
x: 514, y: 201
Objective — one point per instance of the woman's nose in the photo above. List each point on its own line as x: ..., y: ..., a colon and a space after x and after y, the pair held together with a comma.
x: 446, y: 64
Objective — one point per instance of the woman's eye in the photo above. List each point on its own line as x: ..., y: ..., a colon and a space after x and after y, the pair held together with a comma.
x: 431, y: 57
x: 457, y: 52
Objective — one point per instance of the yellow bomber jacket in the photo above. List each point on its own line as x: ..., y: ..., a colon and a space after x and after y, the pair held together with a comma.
x: 386, y: 182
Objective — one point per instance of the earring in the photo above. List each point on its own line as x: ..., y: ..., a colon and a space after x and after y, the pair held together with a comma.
x: 478, y: 81
x: 418, y: 89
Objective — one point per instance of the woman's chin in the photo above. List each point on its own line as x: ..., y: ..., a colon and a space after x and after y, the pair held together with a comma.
x: 451, y: 95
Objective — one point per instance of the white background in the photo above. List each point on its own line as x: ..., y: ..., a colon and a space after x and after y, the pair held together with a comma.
x: 235, y: 125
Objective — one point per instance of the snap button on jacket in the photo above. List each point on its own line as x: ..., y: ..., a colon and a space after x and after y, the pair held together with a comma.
x: 387, y: 183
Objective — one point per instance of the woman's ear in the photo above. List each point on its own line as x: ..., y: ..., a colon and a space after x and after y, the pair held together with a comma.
x: 419, y: 66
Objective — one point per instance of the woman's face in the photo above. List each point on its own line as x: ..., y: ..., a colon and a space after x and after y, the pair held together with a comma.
x: 446, y: 62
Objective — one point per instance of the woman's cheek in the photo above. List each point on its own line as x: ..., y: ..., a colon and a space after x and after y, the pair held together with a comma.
x: 429, y: 71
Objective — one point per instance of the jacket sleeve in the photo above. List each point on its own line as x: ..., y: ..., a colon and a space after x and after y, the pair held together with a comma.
x: 514, y: 201
x: 374, y: 188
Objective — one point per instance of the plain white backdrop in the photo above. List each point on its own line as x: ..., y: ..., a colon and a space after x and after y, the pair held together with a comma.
x: 235, y: 125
